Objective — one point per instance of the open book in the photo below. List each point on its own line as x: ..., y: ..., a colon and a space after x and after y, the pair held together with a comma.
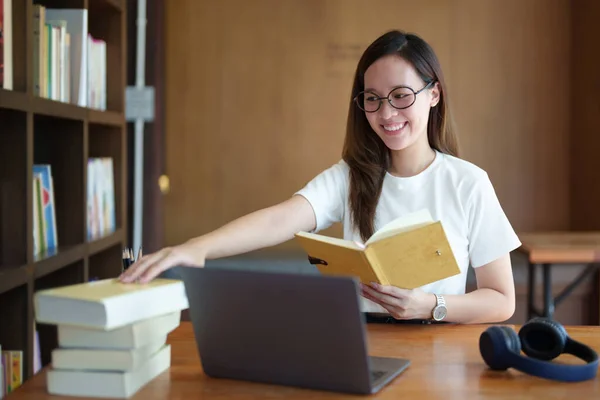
x: 408, y: 252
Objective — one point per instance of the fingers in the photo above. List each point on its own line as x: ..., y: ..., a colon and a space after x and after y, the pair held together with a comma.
x: 137, y: 269
x: 391, y: 290
x: 367, y: 296
x: 382, y: 297
x: 394, y: 311
x: 162, y: 264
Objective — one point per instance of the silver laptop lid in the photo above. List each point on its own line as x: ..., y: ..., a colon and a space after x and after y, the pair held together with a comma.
x: 284, y: 328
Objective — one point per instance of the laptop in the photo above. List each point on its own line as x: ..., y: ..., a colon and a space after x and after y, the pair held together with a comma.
x: 291, y: 329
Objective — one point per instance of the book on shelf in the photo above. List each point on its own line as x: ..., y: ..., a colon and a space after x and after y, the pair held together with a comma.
x: 12, y: 370
x: 69, y: 64
x: 408, y: 252
x: 11, y: 366
x: 101, y: 217
x: 45, y: 237
x: 96, y: 73
x: 37, y: 353
x: 6, y: 45
x: 101, y: 213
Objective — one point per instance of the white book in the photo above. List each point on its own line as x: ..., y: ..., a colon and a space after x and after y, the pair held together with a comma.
x: 77, y: 27
x: 106, y: 359
x: 7, y: 36
x: 108, y: 384
x: 108, y: 304
x: 131, y: 336
x: 37, y: 355
x: 109, y: 194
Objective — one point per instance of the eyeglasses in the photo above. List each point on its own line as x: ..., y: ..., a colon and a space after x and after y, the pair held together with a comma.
x: 400, y: 98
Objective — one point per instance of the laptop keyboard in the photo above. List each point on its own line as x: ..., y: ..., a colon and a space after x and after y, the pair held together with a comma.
x: 377, y: 374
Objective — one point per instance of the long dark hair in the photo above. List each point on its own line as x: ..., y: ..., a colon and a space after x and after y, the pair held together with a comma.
x: 364, y: 152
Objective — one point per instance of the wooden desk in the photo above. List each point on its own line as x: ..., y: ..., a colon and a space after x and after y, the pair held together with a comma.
x: 446, y: 364
x: 550, y: 248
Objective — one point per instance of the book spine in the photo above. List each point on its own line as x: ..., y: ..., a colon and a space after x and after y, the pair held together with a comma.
x: 371, y: 258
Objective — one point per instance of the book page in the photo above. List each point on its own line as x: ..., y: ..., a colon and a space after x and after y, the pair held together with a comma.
x: 99, y: 291
x: 402, y: 224
x: 331, y: 240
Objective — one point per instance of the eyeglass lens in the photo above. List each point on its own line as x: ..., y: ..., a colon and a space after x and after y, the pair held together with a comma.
x: 399, y: 98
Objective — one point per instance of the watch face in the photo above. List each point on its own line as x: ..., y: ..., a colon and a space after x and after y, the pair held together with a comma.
x: 439, y: 313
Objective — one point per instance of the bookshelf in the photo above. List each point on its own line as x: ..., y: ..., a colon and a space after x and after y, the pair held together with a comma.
x: 39, y: 130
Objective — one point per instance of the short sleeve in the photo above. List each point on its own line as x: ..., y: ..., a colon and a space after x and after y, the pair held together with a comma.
x: 327, y: 193
x: 490, y: 232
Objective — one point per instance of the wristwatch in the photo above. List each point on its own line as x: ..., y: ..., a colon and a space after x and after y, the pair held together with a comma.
x: 440, y: 310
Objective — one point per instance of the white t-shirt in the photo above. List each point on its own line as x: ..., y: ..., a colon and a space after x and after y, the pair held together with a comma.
x: 456, y: 192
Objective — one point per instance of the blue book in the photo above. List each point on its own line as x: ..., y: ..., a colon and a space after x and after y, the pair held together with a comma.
x: 48, y: 208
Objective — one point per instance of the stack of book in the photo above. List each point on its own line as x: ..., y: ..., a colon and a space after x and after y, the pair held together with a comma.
x: 112, y: 336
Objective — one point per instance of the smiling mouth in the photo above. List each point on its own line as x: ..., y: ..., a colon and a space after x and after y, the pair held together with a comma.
x: 394, y: 129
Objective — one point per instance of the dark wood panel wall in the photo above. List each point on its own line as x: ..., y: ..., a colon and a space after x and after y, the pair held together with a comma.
x: 241, y: 130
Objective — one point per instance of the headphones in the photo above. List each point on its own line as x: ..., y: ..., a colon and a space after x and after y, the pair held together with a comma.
x: 541, y: 339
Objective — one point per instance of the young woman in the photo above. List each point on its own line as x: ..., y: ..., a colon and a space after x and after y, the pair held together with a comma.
x: 400, y: 156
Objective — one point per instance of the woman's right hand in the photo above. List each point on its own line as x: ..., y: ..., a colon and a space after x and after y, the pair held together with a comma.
x: 151, y: 265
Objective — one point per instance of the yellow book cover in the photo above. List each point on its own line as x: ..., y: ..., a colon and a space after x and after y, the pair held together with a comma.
x: 16, y: 362
x: 408, y: 252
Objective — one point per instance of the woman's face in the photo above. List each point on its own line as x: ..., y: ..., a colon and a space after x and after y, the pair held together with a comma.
x: 398, y: 129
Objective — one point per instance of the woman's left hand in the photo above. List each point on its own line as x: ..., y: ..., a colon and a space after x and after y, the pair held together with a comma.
x: 401, y: 303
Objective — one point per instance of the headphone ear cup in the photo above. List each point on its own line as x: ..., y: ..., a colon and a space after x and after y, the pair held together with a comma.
x: 494, y: 345
x: 543, y: 338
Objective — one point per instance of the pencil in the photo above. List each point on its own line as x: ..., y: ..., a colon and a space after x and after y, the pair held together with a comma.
x: 125, y: 256
x: 130, y: 259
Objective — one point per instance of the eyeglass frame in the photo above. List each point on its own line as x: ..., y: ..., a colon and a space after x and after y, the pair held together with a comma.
x: 388, y: 97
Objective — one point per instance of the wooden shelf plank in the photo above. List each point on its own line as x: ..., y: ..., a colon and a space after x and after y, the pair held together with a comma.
x: 106, y: 117
x: 12, y: 277
x: 14, y: 100
x: 104, y: 243
x: 116, y: 5
x: 53, y: 108
x: 64, y: 256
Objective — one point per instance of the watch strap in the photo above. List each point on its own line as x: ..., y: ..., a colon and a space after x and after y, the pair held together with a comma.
x: 440, y: 301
